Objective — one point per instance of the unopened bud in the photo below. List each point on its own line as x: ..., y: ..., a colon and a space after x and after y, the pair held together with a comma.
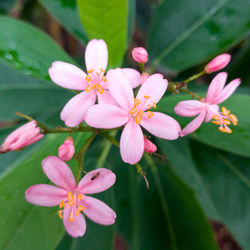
x: 140, y: 55
x: 218, y: 63
x: 149, y: 146
x: 67, y: 149
x: 144, y: 77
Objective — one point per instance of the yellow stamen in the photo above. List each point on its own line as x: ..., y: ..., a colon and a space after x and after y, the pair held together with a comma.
x: 71, y: 216
x: 104, y: 78
x: 102, y: 70
x: 61, y: 205
x: 216, y: 117
x: 71, y: 203
x: 226, y: 122
x: 154, y: 105
x: 70, y: 196
x: 99, y: 88
x: 133, y: 111
x: 137, y: 102
x: 147, y: 97
x: 225, y: 130
x: 90, y: 71
x: 216, y: 122
x: 88, y: 78
x: 90, y: 87
x: 60, y: 214
x: 225, y: 111
x: 233, y: 119
x: 79, y: 196
x: 139, y: 117
x: 150, y: 114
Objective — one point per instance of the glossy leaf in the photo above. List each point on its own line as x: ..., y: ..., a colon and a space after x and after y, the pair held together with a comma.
x: 238, y: 142
x: 187, y: 32
x: 28, y: 49
x: 65, y: 12
x: 107, y: 20
x: 221, y: 183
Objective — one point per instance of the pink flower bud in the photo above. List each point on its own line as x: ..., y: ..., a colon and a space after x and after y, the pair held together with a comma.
x: 149, y: 146
x: 67, y: 149
x: 22, y: 137
x: 218, y: 63
x: 140, y: 55
x: 144, y: 77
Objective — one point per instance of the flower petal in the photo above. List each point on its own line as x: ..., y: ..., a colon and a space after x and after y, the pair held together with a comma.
x: 45, y: 195
x: 194, y: 124
x: 120, y: 88
x: 96, y: 181
x: 59, y: 172
x: 75, y: 228
x: 162, y: 126
x: 106, y: 116
x: 96, y: 55
x: 106, y: 98
x: 216, y: 87
x: 227, y: 91
x: 133, y: 76
x: 74, y: 111
x: 211, y: 110
x: 98, y: 211
x: 189, y: 108
x: 154, y: 87
x: 132, y: 143
x: 67, y: 76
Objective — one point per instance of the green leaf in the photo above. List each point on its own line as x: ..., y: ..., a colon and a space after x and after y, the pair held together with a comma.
x: 23, y: 225
x: 107, y: 20
x: 219, y: 181
x: 28, y: 49
x: 238, y: 142
x: 6, y: 5
x: 165, y: 216
x: 65, y: 12
x: 187, y: 32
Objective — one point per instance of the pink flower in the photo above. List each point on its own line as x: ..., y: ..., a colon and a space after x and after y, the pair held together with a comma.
x: 208, y: 109
x: 67, y: 149
x: 72, y: 198
x: 218, y: 63
x: 140, y: 55
x: 132, y: 113
x: 149, y: 146
x: 94, y: 84
x: 22, y: 137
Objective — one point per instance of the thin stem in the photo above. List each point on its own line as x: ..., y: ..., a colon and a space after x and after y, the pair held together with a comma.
x: 194, y: 77
x: 142, y: 173
x: 194, y: 95
x: 142, y: 67
x: 79, y: 156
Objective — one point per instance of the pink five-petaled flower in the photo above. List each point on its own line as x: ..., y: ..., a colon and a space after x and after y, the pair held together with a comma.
x: 134, y: 112
x: 72, y: 198
x: 208, y: 109
x: 67, y: 149
x: 22, y: 137
x: 94, y: 84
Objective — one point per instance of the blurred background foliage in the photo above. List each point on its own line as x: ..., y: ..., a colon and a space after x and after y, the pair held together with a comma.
x: 199, y: 185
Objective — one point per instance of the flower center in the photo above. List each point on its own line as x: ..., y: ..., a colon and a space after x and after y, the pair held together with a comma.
x: 140, y: 106
x: 224, y: 118
x: 72, y: 202
x: 95, y: 80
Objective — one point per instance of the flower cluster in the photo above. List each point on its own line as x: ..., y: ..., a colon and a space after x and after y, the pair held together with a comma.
x: 122, y: 98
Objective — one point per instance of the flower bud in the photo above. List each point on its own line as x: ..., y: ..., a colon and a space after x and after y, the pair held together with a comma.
x: 144, y: 77
x: 149, y: 146
x: 67, y: 149
x: 22, y: 137
x: 140, y: 55
x: 218, y: 63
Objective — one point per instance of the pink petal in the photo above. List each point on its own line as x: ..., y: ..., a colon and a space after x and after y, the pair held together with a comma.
x: 98, y: 211
x: 59, y: 172
x: 67, y: 76
x: 162, y: 126
x: 154, y: 87
x: 120, y: 88
x: 96, y: 181
x: 96, y: 55
x: 133, y: 76
x: 74, y: 111
x: 227, y: 91
x: 216, y: 87
x: 106, y: 98
x: 189, y: 108
x: 194, y: 124
x: 106, y: 116
x: 45, y: 195
x: 211, y: 110
x: 75, y: 228
x: 132, y: 143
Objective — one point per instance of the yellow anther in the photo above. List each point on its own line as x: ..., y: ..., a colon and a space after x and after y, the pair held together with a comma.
x: 154, y: 105
x: 233, y: 119
x: 226, y: 122
x: 60, y: 214
x: 133, y: 111
x: 139, y: 117
x: 89, y: 88
x: 225, y: 111
x: 71, y: 203
x: 216, y: 117
x: 150, y: 114
x: 80, y: 208
x: 88, y: 78
x: 90, y: 71
x: 61, y: 205
x: 104, y: 78
x: 147, y: 97
x: 102, y: 70
x: 71, y: 216
x: 79, y: 196
x: 99, y: 88
x: 225, y: 130
x: 70, y: 196
x: 137, y: 102
x: 216, y: 122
